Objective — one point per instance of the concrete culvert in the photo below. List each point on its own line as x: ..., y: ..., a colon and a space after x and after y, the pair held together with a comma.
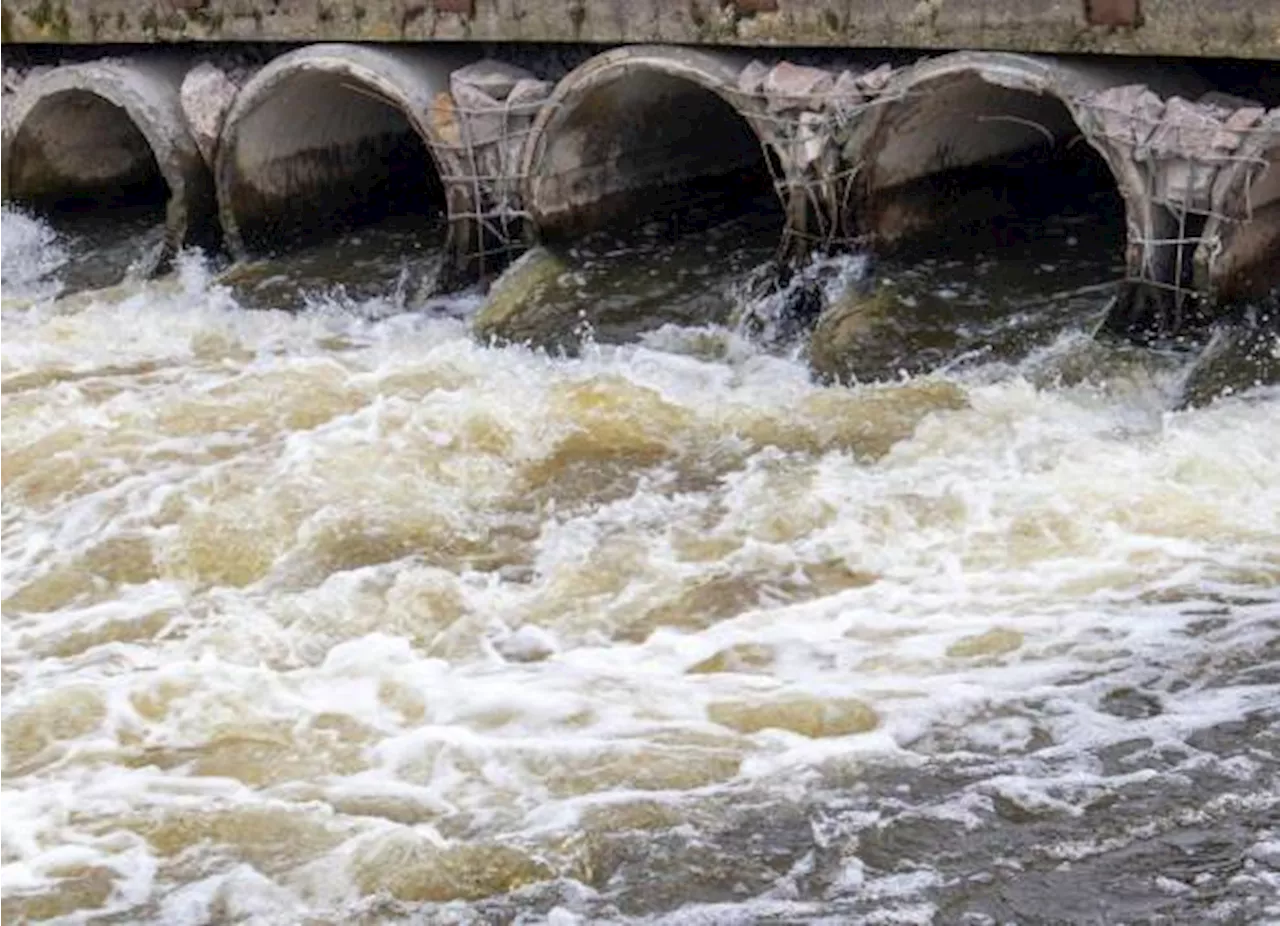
x: 109, y: 136
x: 978, y: 143
x: 652, y: 194
x: 642, y: 134
x: 978, y: 161
x: 331, y: 137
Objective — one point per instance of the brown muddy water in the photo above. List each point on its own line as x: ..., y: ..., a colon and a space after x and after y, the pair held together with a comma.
x: 334, y: 615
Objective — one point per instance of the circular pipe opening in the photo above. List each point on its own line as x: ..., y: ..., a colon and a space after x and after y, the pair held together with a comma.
x: 963, y: 163
x: 642, y: 160
x: 319, y: 154
x: 640, y: 146
x: 996, y: 218
x: 102, y: 150
x: 76, y: 151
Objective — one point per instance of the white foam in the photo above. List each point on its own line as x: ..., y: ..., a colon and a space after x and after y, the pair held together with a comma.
x: 30, y: 255
x: 421, y: 619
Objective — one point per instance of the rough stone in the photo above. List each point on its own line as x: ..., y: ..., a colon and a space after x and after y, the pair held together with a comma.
x: 857, y: 337
x: 812, y: 139
x: 1245, y: 118
x: 494, y: 79
x: 1238, y: 357
x: 484, y: 116
x: 1125, y: 115
x: 1193, y: 141
x: 1226, y: 101
x: 751, y: 80
x: 1185, y: 129
x: 206, y: 94
x: 792, y: 86
x: 530, y: 92
x: 848, y: 88
x: 875, y: 80
x: 496, y: 99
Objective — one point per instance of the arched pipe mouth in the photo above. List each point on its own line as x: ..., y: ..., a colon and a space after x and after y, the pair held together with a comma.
x: 972, y: 138
x: 330, y: 137
x: 105, y: 135
x: 966, y: 122
x: 638, y: 134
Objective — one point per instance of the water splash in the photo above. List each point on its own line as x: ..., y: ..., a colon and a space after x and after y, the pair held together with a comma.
x: 337, y: 613
x: 776, y: 306
x: 31, y: 256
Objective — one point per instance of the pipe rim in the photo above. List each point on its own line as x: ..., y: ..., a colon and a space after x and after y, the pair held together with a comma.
x: 708, y: 71
x: 370, y: 67
x: 172, y: 146
x: 1040, y: 77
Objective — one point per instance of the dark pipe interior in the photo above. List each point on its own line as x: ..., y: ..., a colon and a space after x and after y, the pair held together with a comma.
x: 1250, y: 80
x: 76, y: 152
x: 322, y: 156
x: 651, y: 148
x: 977, y: 167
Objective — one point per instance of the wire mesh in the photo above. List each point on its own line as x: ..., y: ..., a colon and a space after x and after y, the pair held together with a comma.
x: 801, y: 137
x: 1168, y: 146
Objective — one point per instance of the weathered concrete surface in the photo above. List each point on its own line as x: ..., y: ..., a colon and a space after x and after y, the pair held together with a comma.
x: 631, y: 124
x: 108, y: 131
x: 323, y: 136
x: 1224, y: 28
x: 976, y: 109
x: 1239, y: 251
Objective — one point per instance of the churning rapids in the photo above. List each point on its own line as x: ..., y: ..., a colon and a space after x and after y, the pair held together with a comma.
x: 338, y: 616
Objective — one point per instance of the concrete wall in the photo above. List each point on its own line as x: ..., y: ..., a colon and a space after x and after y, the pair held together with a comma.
x: 1225, y: 28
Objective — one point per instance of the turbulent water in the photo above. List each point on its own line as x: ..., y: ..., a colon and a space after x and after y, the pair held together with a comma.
x: 337, y: 616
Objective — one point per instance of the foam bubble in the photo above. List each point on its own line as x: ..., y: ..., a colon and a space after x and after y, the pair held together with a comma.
x: 323, y: 611
x: 30, y: 256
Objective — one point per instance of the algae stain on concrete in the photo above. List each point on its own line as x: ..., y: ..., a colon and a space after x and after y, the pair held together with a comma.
x: 52, y: 20
x: 41, y: 15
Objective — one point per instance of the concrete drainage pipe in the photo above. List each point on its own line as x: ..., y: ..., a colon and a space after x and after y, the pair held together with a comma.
x: 334, y: 136
x: 109, y: 133
x: 634, y: 133
x: 947, y: 129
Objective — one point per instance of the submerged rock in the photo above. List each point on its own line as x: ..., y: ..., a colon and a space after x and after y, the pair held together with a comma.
x: 858, y: 337
x: 1237, y: 358
x: 526, y: 303
x: 604, y: 290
